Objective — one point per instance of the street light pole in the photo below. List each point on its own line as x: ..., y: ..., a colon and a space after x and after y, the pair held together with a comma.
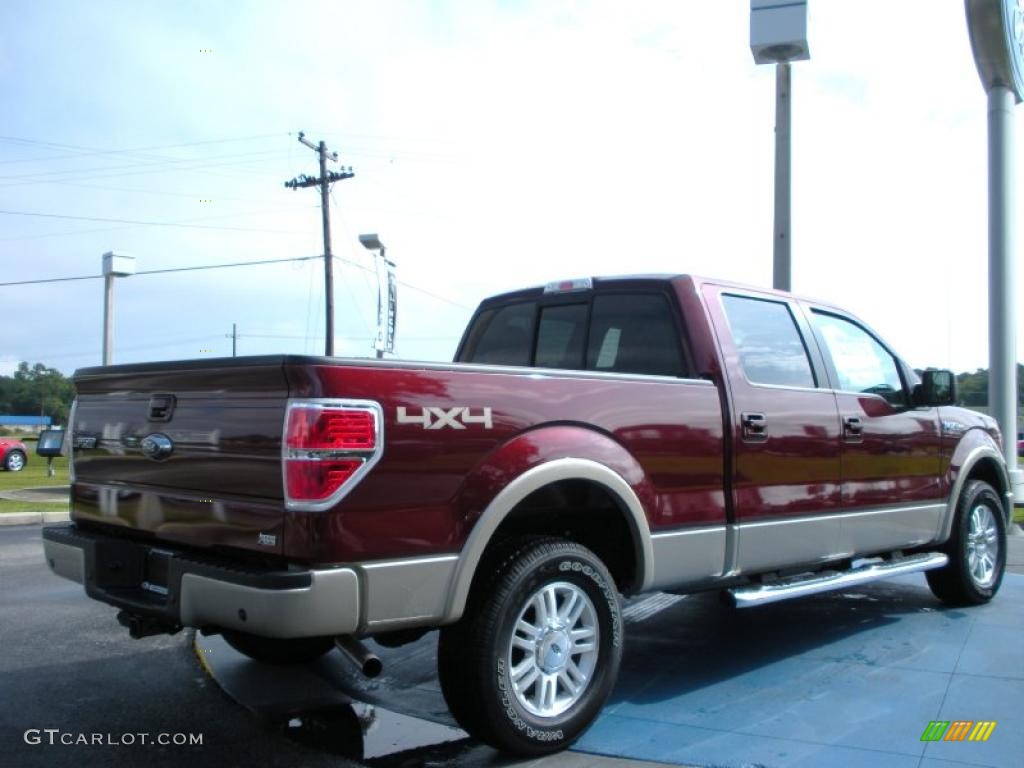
x: 387, y: 296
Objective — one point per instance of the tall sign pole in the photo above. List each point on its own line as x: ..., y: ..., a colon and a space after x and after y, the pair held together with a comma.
x: 324, y: 182
x: 114, y: 265
x: 778, y: 35
x: 996, y: 29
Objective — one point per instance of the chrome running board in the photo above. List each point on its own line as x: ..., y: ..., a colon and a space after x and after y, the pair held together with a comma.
x: 747, y: 597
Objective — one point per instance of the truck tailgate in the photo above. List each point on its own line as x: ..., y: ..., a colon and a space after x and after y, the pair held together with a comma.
x: 218, y: 485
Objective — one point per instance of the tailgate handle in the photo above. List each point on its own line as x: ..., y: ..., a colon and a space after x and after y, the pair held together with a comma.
x: 160, y: 408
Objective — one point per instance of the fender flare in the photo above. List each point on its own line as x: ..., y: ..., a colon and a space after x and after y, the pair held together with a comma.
x: 985, y: 450
x: 529, y: 481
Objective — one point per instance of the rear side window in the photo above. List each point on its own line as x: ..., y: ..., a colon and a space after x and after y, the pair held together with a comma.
x: 503, y: 336
x: 634, y: 333
x: 768, y: 341
x: 561, y: 337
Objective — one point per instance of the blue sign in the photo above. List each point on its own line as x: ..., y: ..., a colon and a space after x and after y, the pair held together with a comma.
x: 25, y: 421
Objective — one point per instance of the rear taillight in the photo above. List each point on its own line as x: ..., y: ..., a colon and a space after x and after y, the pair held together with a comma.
x: 328, y: 446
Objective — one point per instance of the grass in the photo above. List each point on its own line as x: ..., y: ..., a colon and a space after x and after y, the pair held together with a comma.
x: 6, y: 505
x: 34, y: 474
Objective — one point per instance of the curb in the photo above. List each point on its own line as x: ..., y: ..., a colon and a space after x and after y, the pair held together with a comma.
x: 33, y: 518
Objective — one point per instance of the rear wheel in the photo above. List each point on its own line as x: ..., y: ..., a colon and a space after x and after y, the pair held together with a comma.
x: 536, y: 654
x: 976, y: 549
x: 272, y: 650
x: 15, y: 461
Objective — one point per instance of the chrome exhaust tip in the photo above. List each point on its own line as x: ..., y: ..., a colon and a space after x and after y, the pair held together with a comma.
x: 354, y: 650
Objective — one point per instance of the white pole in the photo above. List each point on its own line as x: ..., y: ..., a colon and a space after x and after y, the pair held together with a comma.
x: 108, y: 309
x: 1002, y: 321
x: 781, y: 252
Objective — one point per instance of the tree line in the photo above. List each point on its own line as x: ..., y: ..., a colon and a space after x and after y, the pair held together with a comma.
x: 973, y: 387
x: 37, y: 391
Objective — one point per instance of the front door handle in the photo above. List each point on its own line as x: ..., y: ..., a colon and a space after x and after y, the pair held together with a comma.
x: 754, y: 425
x: 853, y: 427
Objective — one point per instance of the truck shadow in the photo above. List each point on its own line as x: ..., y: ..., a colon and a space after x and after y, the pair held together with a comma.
x: 699, y: 642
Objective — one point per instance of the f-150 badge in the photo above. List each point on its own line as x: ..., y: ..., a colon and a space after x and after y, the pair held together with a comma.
x: 458, y: 417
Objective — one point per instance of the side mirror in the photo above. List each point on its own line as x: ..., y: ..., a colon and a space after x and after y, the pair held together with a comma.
x: 937, y: 387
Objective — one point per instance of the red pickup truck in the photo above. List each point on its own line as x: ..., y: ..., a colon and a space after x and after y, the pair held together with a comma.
x: 594, y: 438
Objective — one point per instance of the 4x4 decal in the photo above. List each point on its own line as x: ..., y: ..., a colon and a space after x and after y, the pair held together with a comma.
x: 433, y: 417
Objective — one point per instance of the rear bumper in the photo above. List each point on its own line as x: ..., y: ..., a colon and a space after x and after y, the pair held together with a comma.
x: 180, y: 589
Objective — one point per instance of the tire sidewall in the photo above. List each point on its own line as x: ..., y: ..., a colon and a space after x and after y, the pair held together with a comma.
x: 979, y: 492
x: 576, y: 566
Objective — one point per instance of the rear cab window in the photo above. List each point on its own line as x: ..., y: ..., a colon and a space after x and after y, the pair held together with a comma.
x: 615, y: 332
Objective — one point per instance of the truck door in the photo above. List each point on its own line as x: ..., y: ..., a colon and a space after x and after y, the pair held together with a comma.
x: 892, y: 496
x: 785, y: 431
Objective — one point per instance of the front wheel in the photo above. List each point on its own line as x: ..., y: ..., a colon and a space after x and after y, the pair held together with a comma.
x: 976, y: 549
x: 536, y: 654
x: 15, y: 461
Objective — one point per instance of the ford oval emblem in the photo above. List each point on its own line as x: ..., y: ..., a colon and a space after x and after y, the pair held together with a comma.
x: 156, y: 446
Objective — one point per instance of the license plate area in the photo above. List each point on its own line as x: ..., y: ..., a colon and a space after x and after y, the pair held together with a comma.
x: 156, y: 572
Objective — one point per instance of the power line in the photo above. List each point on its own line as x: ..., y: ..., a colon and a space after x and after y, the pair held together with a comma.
x: 249, y: 212
x: 198, y: 165
x: 165, y: 271
x: 146, y: 223
x: 363, y: 267
x: 92, y: 151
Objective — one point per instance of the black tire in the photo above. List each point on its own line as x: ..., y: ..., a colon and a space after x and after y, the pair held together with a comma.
x: 476, y: 657
x: 15, y: 461
x: 958, y: 583
x: 271, y: 650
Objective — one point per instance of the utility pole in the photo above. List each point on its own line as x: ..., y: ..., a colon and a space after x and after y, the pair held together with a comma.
x: 234, y: 339
x: 324, y: 181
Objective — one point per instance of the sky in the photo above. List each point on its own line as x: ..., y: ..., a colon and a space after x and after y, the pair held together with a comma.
x: 495, y: 145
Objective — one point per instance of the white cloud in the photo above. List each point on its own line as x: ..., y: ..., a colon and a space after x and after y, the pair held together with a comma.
x: 495, y: 146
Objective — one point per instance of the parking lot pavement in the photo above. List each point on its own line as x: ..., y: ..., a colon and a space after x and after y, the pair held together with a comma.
x: 69, y: 672
x: 1015, y: 551
x: 67, y: 665
x: 845, y: 678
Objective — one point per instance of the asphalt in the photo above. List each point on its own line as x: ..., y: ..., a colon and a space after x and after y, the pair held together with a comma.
x: 68, y: 666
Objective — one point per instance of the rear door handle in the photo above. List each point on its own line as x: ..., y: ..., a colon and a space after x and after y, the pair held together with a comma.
x: 754, y: 424
x: 853, y: 427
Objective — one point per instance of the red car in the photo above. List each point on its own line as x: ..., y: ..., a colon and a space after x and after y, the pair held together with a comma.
x: 13, y: 454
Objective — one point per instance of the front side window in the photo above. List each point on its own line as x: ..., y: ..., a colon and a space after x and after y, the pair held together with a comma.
x: 768, y: 341
x: 503, y: 336
x: 861, y: 363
